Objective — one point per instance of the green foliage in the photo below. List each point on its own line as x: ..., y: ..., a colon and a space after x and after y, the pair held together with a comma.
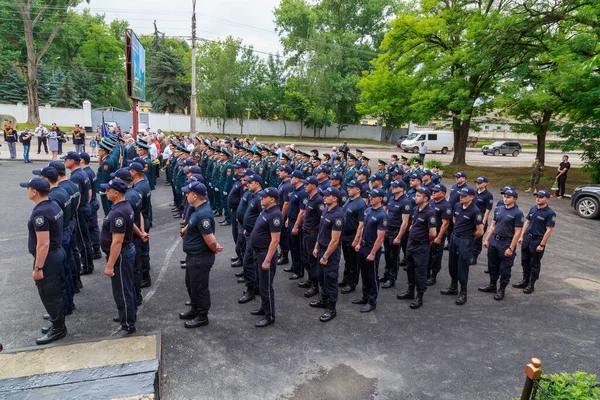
x: 12, y: 87
x: 430, y: 163
x: 577, y: 386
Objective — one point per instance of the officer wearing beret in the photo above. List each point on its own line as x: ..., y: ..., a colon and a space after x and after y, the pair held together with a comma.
x: 484, y: 200
x: 368, y: 241
x: 354, y: 210
x: 443, y: 216
x: 296, y: 235
x: 200, y: 247
x: 396, y: 235
x: 327, y: 250
x: 141, y: 185
x: 501, y: 243
x: 264, y: 241
x: 468, y: 226
x: 309, y: 218
x: 106, y: 166
x: 285, y: 190
x: 536, y: 232
x: 421, y: 234
x: 254, y: 185
x: 44, y: 244
x: 116, y: 242
x: 94, y: 205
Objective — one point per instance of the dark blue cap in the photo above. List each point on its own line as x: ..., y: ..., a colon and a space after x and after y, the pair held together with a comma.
x: 285, y: 168
x: 311, y: 180
x: 543, y: 193
x: 254, y: 178
x: 506, y: 188
x: 354, y: 183
x: 236, y: 165
x: 39, y: 184
x: 72, y: 155
x: 195, y: 178
x: 377, y: 193
x: 247, y: 172
x: 415, y: 175
x: 194, y: 169
x: 337, y: 176
x: 440, y: 187
x: 331, y: 191
x: 427, y: 172
x: 139, y: 160
x: 60, y: 167
x: 424, y: 191
x: 511, y: 192
x: 363, y: 171
x: 115, y: 184
x: 48, y: 172
x: 136, y: 166
x: 481, y: 179
x: 196, y: 187
x: 466, y: 191
x: 399, y: 183
x: 460, y: 175
x: 398, y: 171
x: 121, y: 173
x: 189, y: 162
x: 298, y: 174
x: 85, y: 157
x: 320, y: 169
x: 243, y: 163
x: 270, y: 191
x: 376, y: 177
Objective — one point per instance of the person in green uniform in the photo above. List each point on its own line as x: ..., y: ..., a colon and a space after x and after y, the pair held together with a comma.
x: 215, y: 180
x: 107, y: 166
x: 537, y: 170
x: 350, y: 172
x: 142, y: 150
x: 226, y: 183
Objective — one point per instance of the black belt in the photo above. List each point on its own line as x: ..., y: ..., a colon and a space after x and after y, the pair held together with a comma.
x: 419, y: 242
x: 463, y: 236
x: 260, y: 250
x: 49, y: 252
x: 393, y: 228
x: 534, y: 236
x: 503, y: 238
x: 365, y: 243
x: 310, y: 230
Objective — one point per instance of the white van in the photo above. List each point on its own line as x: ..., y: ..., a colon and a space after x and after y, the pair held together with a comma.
x: 442, y: 141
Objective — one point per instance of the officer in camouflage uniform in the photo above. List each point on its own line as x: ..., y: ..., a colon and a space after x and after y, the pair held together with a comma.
x: 537, y: 170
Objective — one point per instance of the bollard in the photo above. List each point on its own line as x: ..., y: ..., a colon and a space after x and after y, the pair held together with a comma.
x: 533, y: 372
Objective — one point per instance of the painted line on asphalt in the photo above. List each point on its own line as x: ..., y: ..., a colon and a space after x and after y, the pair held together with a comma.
x: 163, y: 270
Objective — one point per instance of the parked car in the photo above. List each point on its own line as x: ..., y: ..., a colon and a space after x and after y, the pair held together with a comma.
x: 442, y: 141
x: 503, y: 147
x: 400, y: 140
x: 586, y: 200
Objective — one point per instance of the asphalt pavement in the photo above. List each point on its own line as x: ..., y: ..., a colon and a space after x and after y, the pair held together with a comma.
x: 440, y: 351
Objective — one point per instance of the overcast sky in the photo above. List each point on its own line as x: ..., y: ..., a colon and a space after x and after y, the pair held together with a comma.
x: 252, y: 21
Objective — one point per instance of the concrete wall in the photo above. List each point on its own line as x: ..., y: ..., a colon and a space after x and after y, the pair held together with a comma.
x: 48, y: 114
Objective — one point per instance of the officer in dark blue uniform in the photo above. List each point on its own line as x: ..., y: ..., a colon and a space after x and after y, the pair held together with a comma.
x: 94, y: 206
x: 310, y: 217
x: 45, y: 228
x: 536, y: 232
x: 116, y: 243
x: 264, y: 241
x: 468, y: 226
x: 323, y: 177
x: 453, y: 198
x: 336, y: 180
x: 200, y: 247
x: 285, y: 190
x: 362, y: 176
x: 426, y: 180
x: 233, y: 201
x: 354, y: 210
x: 328, y: 252
x: 443, y: 216
x: 297, y: 199
x: 254, y: 185
x: 501, y: 243
x: 396, y: 235
x: 240, y: 245
x: 141, y: 185
x: 484, y: 200
x: 368, y: 241
x: 421, y: 234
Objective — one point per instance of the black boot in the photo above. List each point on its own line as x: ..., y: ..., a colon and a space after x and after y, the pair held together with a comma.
x: 418, y: 302
x: 318, y: 303
x: 283, y: 260
x: 409, y: 294
x: 462, y: 297
x: 196, y: 322
x: 313, y: 291
x: 523, y: 284
x: 530, y: 287
x: 491, y: 288
x: 431, y: 281
x: 500, y: 295
x: 473, y: 260
x: 329, y: 314
x: 57, y: 331
x: 236, y: 264
x: 189, y: 314
x: 451, y: 290
x: 247, y: 296
x: 97, y: 254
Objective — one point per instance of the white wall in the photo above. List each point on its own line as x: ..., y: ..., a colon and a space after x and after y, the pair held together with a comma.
x: 48, y: 114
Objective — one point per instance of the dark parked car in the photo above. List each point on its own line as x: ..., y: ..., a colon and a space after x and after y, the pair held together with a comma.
x: 586, y: 200
x: 503, y: 147
x: 400, y: 140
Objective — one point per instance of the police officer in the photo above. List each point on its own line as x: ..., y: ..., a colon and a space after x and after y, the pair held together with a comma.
x: 484, y: 200
x: 296, y: 235
x: 200, y: 247
x: 44, y: 244
x: 468, y: 226
x: 536, y: 232
x: 367, y: 242
x: 443, y: 216
x: 396, y: 235
x: 354, y: 210
x: 264, y: 241
x: 116, y: 243
x: 501, y: 243
x: 141, y: 185
x: 106, y: 166
x: 285, y: 190
x: 254, y: 185
x: 421, y: 234
x: 233, y: 201
x: 225, y: 185
x: 350, y: 172
x: 327, y: 250
x: 309, y: 218
x: 460, y: 179
x: 322, y: 178
x: 427, y: 182
x: 94, y: 206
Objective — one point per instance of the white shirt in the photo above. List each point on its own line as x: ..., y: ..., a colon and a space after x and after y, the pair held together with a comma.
x: 39, y: 131
x: 190, y: 146
x: 153, y: 151
x: 167, y: 153
x: 422, y: 149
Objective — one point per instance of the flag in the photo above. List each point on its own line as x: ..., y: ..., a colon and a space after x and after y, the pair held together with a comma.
x: 104, y: 131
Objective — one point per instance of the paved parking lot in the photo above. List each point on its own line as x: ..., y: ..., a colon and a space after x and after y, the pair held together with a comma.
x: 440, y: 351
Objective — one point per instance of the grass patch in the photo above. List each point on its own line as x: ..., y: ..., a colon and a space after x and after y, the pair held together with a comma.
x: 21, y: 126
x: 516, y: 176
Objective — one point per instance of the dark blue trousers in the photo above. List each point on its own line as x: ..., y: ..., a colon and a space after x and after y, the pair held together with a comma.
x: 137, y: 266
x: 391, y: 254
x: 296, y: 249
x: 459, y: 259
x: 531, y: 260
x: 197, y: 275
x: 76, y: 258
x: 93, y: 226
x: 123, y: 287
x: 417, y: 261
x: 328, y: 274
x: 435, y: 258
x: 145, y: 255
x: 240, y: 245
x: 67, y: 283
x: 82, y: 236
x: 499, y: 265
x: 50, y: 288
x: 249, y: 266
x: 309, y: 240
x: 265, y: 282
x: 351, y: 272
x: 369, y: 270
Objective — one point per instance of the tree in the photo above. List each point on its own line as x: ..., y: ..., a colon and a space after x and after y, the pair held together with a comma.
x: 12, y: 87
x: 33, y: 13
x: 295, y: 104
x: 67, y: 97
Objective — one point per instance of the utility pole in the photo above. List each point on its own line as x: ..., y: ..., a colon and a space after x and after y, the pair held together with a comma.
x: 193, y: 97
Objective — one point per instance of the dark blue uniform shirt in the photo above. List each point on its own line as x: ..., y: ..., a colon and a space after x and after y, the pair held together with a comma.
x: 323, y: 185
x: 467, y: 219
x: 252, y: 213
x: 296, y: 200
x: 454, y: 196
x: 507, y: 219
x: 73, y: 191
x: 374, y: 220
x: 118, y: 220
x: 143, y: 187
x: 443, y: 211
x: 422, y: 221
x: 354, y: 211
x: 285, y: 192
x: 540, y: 219
x: 364, y: 190
x: 314, y: 208
x: 134, y: 198
x: 201, y: 222
x: 45, y: 217
x: 397, y: 207
x: 92, y: 177
x: 243, y: 206
x: 62, y: 198
x: 80, y: 178
x: 268, y: 221
x: 343, y: 197
x: 235, y: 194
x: 331, y: 220
x: 484, y: 201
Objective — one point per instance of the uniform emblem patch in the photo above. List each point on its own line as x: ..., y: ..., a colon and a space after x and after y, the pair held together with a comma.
x: 385, y: 222
x: 205, y: 224
x: 305, y: 201
x: 321, y: 207
x: 276, y: 222
x: 39, y: 221
x: 338, y: 222
x: 106, y: 167
x: 448, y: 211
x: 432, y: 220
x: 119, y: 222
x: 479, y: 217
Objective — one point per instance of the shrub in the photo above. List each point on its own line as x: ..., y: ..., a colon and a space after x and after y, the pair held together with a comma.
x: 577, y: 386
x: 430, y: 163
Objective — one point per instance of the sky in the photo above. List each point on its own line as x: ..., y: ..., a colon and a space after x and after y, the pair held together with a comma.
x: 251, y: 21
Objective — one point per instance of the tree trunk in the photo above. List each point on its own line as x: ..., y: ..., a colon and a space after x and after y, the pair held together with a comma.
x: 284, y: 128
x: 223, y: 125
x: 301, y: 125
x: 541, y: 137
x: 33, y: 110
x: 461, y: 134
x: 241, y: 126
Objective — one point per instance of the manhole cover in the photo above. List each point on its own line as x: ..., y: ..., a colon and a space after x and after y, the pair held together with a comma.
x: 581, y: 283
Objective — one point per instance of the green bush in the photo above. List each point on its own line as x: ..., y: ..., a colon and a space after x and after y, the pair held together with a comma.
x: 577, y: 386
x: 430, y: 163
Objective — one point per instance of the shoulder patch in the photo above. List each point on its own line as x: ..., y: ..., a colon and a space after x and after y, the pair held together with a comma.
x: 276, y: 221
x: 321, y: 207
x: 385, y: 222
x: 119, y: 222
x: 338, y: 222
x: 305, y: 201
x: 205, y: 223
x: 448, y: 211
x: 479, y: 217
x: 432, y: 220
x: 105, y: 167
x: 39, y: 221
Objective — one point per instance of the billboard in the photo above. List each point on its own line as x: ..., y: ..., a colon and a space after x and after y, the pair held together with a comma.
x: 135, y: 57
